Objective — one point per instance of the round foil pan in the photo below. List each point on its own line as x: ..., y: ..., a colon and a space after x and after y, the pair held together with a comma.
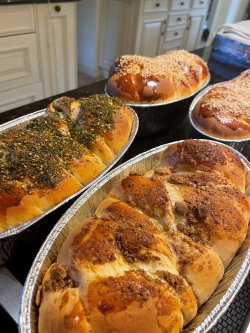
x: 16, y: 237
x: 242, y: 145
x: 155, y: 118
x: 85, y: 206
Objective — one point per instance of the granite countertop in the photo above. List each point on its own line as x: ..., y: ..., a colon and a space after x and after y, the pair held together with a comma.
x: 20, y: 2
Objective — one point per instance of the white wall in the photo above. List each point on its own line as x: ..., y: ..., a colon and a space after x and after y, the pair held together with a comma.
x: 88, y: 36
x: 237, y: 10
x: 225, y: 11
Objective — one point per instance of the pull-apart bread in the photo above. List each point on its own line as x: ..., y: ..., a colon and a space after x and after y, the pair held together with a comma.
x: 155, y: 249
x: 224, y: 111
x: 165, y: 78
x: 54, y: 155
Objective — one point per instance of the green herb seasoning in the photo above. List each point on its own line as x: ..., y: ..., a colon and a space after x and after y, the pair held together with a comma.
x: 38, y: 153
x: 95, y: 118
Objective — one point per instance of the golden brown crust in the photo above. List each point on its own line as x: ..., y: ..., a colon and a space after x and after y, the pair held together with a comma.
x: 19, y: 204
x: 165, y: 78
x: 195, y: 155
x: 53, y: 156
x: 130, y: 299
x: 224, y: 111
x: 147, y: 254
x: 61, y: 300
x: 117, y: 137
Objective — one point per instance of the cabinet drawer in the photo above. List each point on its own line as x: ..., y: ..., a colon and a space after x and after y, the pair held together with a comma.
x: 172, y: 34
x: 177, y: 19
x: 179, y: 4
x: 16, y: 20
x: 200, y: 3
x: 18, y: 61
x: 21, y: 96
x: 173, y: 45
x: 155, y: 5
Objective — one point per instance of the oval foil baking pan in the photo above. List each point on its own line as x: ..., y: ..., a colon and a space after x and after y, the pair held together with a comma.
x: 20, y: 122
x: 155, y: 118
x: 242, y: 145
x: 85, y: 206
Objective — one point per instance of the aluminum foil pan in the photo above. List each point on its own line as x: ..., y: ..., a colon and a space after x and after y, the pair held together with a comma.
x: 85, y: 206
x: 6, y: 238
x: 243, y: 145
x: 155, y: 118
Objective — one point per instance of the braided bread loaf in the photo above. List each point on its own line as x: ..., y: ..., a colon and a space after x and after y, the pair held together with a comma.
x: 169, y: 77
x: 54, y: 155
x: 155, y: 249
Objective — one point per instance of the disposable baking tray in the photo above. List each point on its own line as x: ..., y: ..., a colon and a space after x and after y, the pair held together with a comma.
x: 85, y: 206
x: 159, y: 117
x: 6, y: 237
x: 242, y: 145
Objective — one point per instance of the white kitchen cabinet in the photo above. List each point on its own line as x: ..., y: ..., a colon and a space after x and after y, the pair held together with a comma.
x: 19, y: 64
x: 152, y: 36
x: 57, y: 46
x: 151, y: 42
x: 37, y: 52
x: 143, y: 27
x: 193, y: 37
x: 14, y: 98
x: 16, y: 20
x: 132, y: 27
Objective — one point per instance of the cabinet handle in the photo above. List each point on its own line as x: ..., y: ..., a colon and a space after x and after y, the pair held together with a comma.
x: 157, y: 4
x: 179, y: 19
x: 201, y: 2
x: 176, y: 34
x: 57, y: 8
x: 182, y: 3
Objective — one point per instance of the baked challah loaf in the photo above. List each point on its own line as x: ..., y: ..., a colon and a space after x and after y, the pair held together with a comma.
x: 165, y: 78
x: 224, y: 111
x: 155, y: 249
x: 54, y: 155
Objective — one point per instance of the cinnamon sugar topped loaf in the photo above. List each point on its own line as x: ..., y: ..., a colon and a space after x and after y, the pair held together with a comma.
x: 165, y: 78
x: 224, y: 111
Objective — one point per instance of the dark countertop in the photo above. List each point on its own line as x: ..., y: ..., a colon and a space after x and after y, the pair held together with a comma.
x: 22, y: 2
x: 23, y: 254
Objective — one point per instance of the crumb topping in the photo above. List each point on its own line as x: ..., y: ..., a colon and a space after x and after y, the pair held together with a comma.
x: 125, y: 232
x: 200, y: 152
x: 58, y: 279
x: 115, y: 294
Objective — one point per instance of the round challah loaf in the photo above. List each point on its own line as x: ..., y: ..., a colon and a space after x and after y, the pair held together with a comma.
x: 165, y: 78
x: 224, y: 111
x: 155, y: 249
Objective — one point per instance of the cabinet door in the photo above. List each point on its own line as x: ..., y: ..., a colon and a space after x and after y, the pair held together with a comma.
x: 194, y: 33
x: 18, y: 61
x: 14, y: 98
x: 16, y: 20
x: 57, y: 35
x: 152, y: 38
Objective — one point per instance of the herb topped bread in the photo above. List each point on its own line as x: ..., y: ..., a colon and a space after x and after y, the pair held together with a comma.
x: 54, y: 155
